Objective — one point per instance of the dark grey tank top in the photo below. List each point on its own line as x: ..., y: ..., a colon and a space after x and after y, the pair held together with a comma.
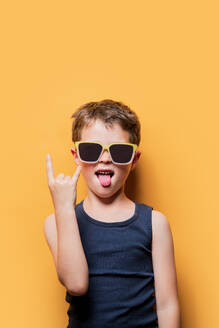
x: 121, y: 290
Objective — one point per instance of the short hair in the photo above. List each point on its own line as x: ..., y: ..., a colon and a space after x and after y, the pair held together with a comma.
x: 109, y: 111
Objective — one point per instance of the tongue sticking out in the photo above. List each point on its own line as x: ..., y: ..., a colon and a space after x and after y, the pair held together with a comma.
x: 105, y: 179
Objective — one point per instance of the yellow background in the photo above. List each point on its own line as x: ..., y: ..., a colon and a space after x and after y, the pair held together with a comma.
x: 161, y: 59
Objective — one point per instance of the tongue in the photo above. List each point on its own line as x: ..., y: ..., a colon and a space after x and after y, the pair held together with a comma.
x: 105, y: 179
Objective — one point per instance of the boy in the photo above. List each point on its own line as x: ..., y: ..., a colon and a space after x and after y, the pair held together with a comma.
x: 114, y: 256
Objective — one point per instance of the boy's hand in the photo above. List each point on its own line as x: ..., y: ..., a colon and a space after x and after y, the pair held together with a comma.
x: 62, y: 188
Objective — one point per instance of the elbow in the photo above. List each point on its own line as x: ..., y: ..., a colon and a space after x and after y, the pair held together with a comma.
x: 173, y: 304
x: 78, y: 290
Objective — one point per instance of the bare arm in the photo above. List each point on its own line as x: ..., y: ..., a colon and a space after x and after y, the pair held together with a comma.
x: 165, y: 279
x: 62, y: 233
x: 50, y: 233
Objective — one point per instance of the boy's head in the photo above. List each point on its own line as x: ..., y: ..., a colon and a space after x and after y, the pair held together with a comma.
x: 109, y: 112
x: 106, y: 122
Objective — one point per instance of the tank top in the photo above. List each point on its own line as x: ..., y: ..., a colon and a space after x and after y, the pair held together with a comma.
x: 121, y: 291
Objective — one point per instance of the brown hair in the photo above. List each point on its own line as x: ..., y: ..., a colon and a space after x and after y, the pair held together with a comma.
x: 108, y: 111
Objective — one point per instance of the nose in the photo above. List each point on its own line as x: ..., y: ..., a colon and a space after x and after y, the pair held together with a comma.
x: 105, y: 157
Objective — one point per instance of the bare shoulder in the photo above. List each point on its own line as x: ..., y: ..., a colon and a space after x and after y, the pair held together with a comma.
x: 158, y: 216
x: 161, y: 231
x: 162, y: 239
x: 160, y: 223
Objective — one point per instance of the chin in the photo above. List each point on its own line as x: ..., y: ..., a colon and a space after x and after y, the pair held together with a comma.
x: 106, y: 192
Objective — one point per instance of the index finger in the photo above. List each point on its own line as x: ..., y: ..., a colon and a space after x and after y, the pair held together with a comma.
x: 49, y: 168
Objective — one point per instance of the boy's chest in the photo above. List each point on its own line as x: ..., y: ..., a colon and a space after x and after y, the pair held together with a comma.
x: 117, y: 249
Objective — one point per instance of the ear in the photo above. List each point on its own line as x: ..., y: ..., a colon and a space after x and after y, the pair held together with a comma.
x: 135, y: 160
x: 75, y: 155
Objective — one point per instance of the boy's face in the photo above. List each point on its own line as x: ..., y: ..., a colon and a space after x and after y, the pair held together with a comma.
x: 98, y: 132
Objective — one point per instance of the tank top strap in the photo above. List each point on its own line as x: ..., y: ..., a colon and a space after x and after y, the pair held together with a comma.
x: 145, y: 216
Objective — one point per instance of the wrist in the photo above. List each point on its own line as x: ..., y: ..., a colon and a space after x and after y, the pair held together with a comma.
x: 65, y: 208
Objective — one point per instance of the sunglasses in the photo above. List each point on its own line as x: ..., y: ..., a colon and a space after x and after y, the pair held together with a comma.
x: 121, y: 152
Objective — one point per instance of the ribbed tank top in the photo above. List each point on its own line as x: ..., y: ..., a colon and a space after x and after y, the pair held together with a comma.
x: 121, y: 290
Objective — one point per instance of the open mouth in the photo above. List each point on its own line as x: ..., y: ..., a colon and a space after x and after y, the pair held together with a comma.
x: 111, y: 173
x: 104, y: 177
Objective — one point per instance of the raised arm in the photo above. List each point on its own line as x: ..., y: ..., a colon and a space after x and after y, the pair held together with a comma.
x: 165, y: 279
x: 62, y: 232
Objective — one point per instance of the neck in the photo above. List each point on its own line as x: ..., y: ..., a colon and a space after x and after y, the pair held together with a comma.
x: 94, y: 201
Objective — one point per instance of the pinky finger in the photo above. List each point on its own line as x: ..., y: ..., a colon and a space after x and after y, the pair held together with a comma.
x: 77, y: 173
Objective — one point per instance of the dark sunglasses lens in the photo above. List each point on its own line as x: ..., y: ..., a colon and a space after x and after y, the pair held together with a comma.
x: 89, y: 152
x: 121, y: 153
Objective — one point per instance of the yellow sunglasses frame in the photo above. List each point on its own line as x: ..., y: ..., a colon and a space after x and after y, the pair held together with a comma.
x: 107, y: 148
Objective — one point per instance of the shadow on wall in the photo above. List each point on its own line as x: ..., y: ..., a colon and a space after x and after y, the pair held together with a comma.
x: 132, y: 185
